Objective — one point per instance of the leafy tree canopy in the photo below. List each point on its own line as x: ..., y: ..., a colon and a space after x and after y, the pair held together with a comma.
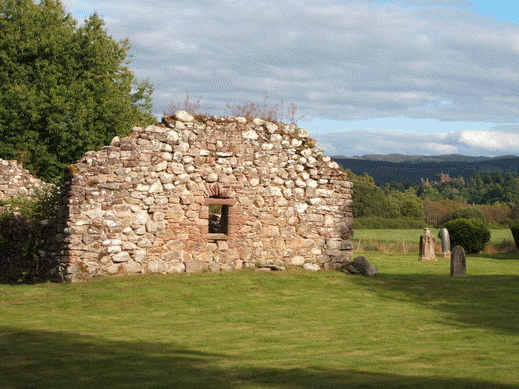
x: 407, y: 204
x: 368, y: 199
x: 64, y: 89
x: 469, y: 213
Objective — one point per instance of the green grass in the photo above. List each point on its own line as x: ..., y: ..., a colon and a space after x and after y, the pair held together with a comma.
x: 411, y: 235
x: 413, y: 326
x: 407, y: 240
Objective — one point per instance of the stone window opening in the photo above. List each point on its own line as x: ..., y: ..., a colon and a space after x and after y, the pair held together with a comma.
x: 218, y: 218
x: 220, y: 214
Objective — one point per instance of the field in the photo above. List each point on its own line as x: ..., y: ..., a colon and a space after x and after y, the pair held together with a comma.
x: 407, y: 241
x: 413, y: 326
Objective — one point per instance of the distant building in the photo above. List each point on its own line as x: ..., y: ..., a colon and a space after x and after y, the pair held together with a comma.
x: 440, y: 180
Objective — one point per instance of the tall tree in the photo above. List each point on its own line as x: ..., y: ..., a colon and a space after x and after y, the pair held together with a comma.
x: 368, y: 199
x: 64, y: 89
x: 408, y: 204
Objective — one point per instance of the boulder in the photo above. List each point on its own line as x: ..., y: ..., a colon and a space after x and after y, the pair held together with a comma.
x: 361, y: 265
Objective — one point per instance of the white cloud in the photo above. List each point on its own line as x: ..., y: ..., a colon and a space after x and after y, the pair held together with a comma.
x: 440, y: 148
x: 490, y: 140
x: 338, y: 60
x: 387, y: 60
x: 371, y: 141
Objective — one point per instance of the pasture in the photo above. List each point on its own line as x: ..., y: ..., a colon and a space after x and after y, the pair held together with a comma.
x: 412, y: 326
x: 407, y: 240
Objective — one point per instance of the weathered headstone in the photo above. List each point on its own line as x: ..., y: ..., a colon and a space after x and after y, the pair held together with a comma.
x: 458, y: 261
x: 427, y: 243
x: 446, y: 243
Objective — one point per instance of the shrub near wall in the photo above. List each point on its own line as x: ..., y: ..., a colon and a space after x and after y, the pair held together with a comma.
x: 471, y: 234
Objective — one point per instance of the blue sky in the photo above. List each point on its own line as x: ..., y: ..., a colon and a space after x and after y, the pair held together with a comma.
x: 507, y: 10
x: 411, y: 77
x: 504, y: 10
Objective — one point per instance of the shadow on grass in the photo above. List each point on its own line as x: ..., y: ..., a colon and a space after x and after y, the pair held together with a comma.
x: 35, y: 359
x: 484, y: 301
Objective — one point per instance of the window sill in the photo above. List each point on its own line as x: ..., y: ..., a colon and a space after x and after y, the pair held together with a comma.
x: 217, y: 236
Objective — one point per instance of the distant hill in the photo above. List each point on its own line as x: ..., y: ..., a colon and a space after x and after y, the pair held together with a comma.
x: 412, y: 168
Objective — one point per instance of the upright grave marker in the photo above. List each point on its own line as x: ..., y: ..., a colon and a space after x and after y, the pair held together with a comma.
x: 458, y: 261
x: 446, y: 243
x: 427, y: 243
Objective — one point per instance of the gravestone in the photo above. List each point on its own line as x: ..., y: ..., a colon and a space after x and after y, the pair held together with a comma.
x: 427, y: 243
x: 446, y: 243
x: 458, y: 261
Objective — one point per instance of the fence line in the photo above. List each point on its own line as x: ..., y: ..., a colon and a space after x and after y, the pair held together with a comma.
x: 409, y: 247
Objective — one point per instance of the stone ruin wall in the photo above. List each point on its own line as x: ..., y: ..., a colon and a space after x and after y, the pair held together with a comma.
x: 14, y: 229
x: 15, y: 180
x: 142, y: 204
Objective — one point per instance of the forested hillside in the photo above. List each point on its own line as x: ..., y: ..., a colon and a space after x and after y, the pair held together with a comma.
x: 492, y: 198
x: 412, y: 170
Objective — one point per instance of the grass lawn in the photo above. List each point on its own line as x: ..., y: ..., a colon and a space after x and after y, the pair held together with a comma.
x: 411, y: 235
x: 407, y: 240
x: 413, y: 326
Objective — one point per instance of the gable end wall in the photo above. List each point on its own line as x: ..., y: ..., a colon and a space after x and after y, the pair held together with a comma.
x: 140, y: 205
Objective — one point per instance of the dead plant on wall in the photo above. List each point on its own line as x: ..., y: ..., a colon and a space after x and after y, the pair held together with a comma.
x: 266, y: 111
x: 187, y: 105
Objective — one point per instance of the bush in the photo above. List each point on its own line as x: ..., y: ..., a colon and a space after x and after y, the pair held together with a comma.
x: 515, y: 233
x: 471, y: 234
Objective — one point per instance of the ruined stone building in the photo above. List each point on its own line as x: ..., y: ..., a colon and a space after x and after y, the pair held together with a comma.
x: 197, y: 193
x: 18, y: 234
x: 15, y: 180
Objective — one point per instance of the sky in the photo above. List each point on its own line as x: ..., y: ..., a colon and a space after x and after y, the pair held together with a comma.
x: 368, y: 77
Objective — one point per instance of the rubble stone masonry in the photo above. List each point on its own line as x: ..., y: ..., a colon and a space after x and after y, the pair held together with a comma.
x: 197, y: 193
x: 15, y: 180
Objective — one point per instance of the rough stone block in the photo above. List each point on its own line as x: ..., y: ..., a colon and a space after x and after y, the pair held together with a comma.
x: 113, y: 269
x: 311, y: 266
x: 175, y: 268
x: 133, y: 267
x: 155, y: 267
x: 121, y: 257
x: 195, y: 267
x: 295, y: 261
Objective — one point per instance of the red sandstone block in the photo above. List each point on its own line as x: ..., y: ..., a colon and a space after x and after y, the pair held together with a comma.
x: 233, y: 229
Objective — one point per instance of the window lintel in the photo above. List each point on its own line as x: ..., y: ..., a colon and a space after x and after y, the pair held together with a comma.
x: 220, y: 201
